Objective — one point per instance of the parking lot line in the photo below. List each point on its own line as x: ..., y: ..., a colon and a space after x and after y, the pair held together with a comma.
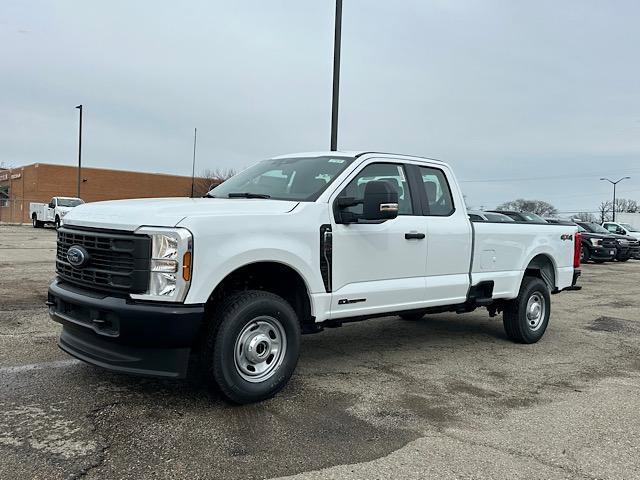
x: 39, y: 366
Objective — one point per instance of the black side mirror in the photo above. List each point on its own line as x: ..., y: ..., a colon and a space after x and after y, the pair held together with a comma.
x: 380, y: 201
x: 620, y: 231
x: 52, y: 205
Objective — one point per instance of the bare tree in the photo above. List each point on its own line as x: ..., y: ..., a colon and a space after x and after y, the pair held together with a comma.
x: 626, y: 205
x: 208, y: 178
x: 604, y: 210
x: 538, y: 207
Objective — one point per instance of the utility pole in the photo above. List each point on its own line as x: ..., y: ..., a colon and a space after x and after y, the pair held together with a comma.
x: 613, y: 205
x: 193, y: 165
x: 79, y: 107
x: 336, y: 76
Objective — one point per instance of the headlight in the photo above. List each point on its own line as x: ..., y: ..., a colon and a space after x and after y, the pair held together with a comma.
x: 596, y: 242
x: 170, y: 264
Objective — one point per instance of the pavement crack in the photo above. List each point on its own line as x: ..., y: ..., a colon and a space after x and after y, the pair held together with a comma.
x: 102, y: 453
x: 519, y: 454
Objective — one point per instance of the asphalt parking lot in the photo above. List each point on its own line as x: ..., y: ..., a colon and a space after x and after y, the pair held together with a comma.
x: 445, y: 397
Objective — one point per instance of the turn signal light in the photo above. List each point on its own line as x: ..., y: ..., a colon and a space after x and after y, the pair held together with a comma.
x: 186, y: 266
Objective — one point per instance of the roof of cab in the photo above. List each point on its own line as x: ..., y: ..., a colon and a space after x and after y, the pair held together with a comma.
x: 353, y: 154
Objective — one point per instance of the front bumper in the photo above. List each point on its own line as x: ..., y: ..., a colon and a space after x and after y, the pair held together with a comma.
x: 119, y: 334
x: 603, y: 253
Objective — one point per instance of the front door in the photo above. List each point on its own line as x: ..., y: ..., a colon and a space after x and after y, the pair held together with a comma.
x: 379, y: 267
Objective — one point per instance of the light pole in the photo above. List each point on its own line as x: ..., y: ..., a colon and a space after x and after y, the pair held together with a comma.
x: 79, y: 107
x: 613, y: 205
x: 337, y: 40
x: 193, y: 165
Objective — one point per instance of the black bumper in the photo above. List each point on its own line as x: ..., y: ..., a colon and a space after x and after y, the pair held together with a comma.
x: 123, y: 335
x: 574, y: 282
x: 603, y: 253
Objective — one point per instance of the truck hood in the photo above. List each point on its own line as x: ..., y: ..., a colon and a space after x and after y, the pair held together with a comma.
x: 167, y: 212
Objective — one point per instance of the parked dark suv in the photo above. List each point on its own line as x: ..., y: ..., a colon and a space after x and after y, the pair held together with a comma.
x: 598, y: 247
x: 527, y: 217
x: 626, y: 247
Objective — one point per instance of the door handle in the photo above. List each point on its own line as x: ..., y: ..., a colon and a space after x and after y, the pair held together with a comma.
x: 414, y: 235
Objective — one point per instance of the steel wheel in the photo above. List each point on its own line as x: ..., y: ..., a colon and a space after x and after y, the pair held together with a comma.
x: 536, y: 310
x: 260, y: 349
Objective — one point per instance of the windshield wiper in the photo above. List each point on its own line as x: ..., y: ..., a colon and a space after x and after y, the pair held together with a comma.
x: 248, y: 195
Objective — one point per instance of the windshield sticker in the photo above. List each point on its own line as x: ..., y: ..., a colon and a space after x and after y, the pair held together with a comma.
x: 335, y: 160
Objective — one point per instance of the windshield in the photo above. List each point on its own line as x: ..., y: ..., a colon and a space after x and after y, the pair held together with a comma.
x: 300, y: 179
x: 594, y: 228
x: 69, y: 202
x: 628, y: 227
x: 532, y: 217
x: 497, y: 217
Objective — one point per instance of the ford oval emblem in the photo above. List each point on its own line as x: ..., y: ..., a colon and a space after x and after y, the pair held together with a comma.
x: 77, y: 256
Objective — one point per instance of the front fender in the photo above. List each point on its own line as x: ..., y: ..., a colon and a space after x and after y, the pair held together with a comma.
x: 205, y: 280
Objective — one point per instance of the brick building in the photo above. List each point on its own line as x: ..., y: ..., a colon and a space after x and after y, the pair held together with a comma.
x: 40, y: 181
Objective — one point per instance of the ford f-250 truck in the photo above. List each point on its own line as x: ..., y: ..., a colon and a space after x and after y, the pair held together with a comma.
x: 289, y: 246
x: 53, y: 212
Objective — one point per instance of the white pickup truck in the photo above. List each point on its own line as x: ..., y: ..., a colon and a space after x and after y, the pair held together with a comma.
x: 289, y: 246
x: 52, y: 212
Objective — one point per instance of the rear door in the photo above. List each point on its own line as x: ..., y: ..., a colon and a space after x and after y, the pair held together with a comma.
x: 379, y: 267
x: 448, y: 235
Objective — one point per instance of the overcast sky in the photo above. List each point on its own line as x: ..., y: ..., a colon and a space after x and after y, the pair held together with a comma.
x: 541, y: 97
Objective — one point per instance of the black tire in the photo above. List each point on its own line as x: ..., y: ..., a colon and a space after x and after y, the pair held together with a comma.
x: 518, y: 325
x: 35, y: 222
x: 412, y: 316
x: 601, y: 261
x: 231, y: 324
x: 57, y: 222
x: 622, y: 259
x: 584, y: 254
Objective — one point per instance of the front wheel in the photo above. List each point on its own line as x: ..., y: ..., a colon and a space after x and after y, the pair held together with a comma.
x: 526, y: 317
x: 252, y: 346
x: 57, y: 223
x: 584, y: 254
x: 622, y: 259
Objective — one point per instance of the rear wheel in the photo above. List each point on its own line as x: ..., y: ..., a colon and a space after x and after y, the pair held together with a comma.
x: 35, y: 222
x: 526, y: 317
x: 252, y: 346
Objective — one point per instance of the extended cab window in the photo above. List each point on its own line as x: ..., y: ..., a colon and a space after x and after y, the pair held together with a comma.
x: 391, y: 173
x: 437, y: 190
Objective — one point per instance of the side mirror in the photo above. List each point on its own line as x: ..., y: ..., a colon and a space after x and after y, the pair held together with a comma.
x: 52, y: 205
x: 380, y: 201
x: 621, y: 231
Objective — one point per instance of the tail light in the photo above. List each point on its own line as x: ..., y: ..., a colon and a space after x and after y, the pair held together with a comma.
x: 577, y: 247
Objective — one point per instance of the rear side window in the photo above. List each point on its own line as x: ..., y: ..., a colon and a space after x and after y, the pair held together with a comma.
x: 475, y: 218
x: 438, y: 192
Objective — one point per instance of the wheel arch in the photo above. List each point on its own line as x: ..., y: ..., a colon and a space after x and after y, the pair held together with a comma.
x: 542, y: 266
x: 272, y: 276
